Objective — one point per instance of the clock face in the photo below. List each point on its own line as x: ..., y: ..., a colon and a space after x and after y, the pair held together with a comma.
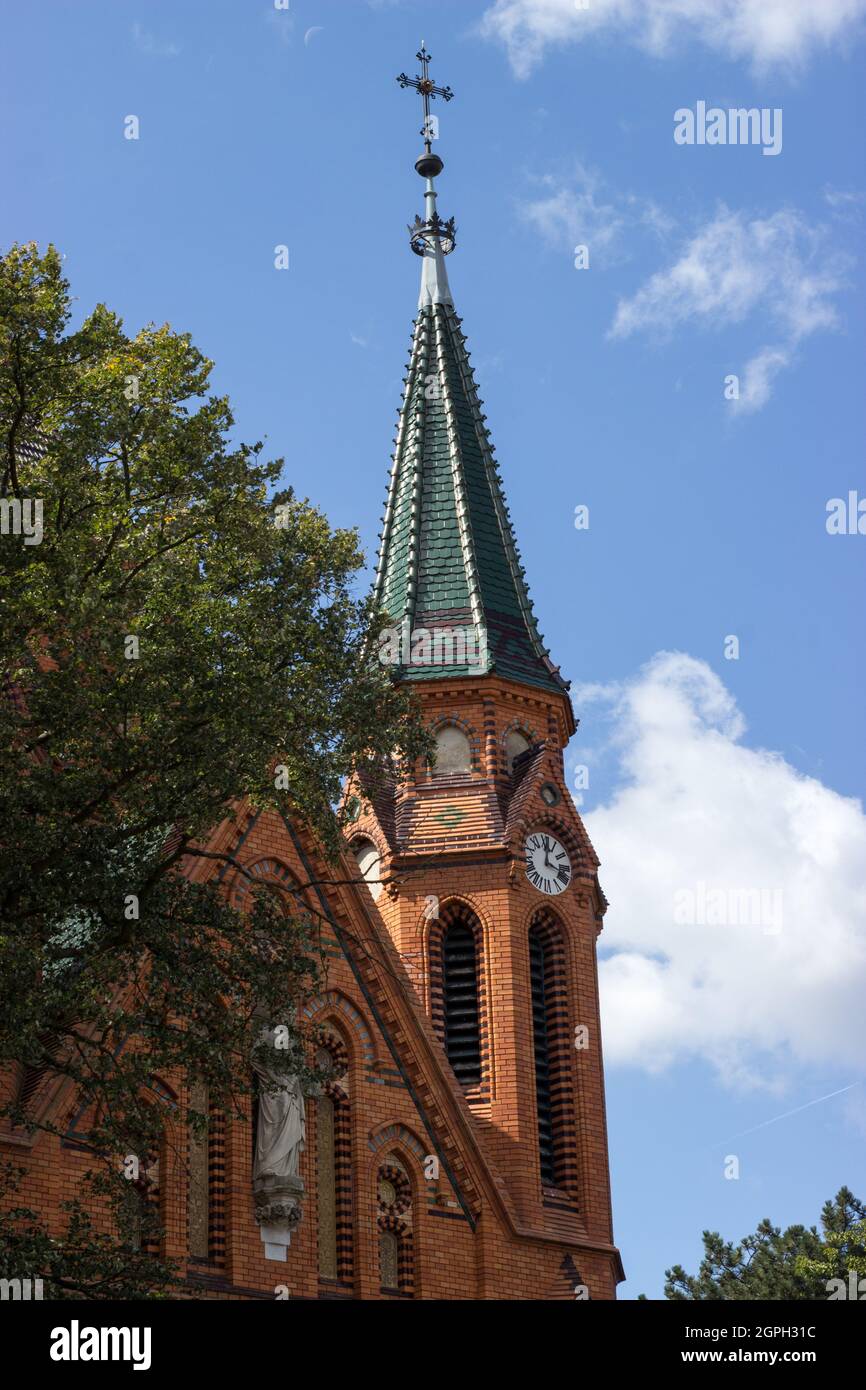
x: 548, y: 867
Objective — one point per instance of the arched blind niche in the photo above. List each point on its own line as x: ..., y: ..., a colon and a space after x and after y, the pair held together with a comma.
x: 515, y: 744
x: 369, y: 863
x: 453, y: 753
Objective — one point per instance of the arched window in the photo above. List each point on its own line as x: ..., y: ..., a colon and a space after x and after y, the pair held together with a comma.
x: 369, y: 862
x: 453, y: 754
x: 515, y: 744
x: 394, y: 1220
x: 456, y: 971
x: 460, y: 989
x: 334, y: 1161
x: 553, y: 1086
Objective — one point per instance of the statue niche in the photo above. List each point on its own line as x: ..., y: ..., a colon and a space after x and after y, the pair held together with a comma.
x: 280, y: 1140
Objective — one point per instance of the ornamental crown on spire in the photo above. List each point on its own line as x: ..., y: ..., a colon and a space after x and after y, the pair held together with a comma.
x: 429, y: 235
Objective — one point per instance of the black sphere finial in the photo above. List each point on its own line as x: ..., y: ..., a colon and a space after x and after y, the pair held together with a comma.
x: 429, y: 165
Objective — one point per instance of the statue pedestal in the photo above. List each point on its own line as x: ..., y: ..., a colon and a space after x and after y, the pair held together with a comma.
x: 278, y: 1212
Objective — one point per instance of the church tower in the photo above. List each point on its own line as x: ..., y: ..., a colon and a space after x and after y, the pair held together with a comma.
x: 455, y: 1146
x: 481, y: 867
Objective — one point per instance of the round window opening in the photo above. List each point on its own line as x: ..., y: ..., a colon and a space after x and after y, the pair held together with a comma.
x: 387, y: 1193
x: 550, y: 794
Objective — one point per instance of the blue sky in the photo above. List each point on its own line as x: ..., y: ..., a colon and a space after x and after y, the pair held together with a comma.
x: 604, y: 387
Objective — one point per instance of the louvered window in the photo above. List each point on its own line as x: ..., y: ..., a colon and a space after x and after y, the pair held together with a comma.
x: 30, y: 1084
x: 460, y: 989
x: 541, y: 1039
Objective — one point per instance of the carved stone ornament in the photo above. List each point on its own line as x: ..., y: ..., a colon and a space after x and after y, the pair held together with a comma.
x: 278, y: 1212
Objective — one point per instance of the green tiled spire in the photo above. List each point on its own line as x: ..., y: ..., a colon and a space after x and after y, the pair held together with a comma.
x: 448, y: 558
x: 449, y: 573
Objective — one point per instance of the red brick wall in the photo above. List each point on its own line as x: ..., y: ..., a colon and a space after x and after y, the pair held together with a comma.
x: 485, y: 1234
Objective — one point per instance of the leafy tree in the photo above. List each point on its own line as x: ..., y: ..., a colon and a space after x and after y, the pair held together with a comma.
x: 175, y: 639
x: 776, y: 1264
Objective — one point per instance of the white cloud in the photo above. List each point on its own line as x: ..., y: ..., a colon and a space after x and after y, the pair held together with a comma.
x: 148, y: 43
x: 846, y: 205
x: 569, y: 212
x: 697, y: 807
x: 843, y: 198
x: 764, y: 32
x: 757, y: 379
x: 578, y: 210
x: 734, y: 266
x: 780, y: 269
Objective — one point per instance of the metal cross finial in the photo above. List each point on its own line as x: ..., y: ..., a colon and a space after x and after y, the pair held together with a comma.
x: 427, y: 89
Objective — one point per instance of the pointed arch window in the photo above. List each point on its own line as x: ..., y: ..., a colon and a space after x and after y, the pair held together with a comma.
x: 462, y: 1025
x: 395, y: 1225
x: 554, y: 1091
x: 457, y: 994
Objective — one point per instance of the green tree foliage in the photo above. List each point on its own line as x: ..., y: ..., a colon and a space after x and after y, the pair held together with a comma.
x: 179, y: 637
x: 843, y: 1250
x: 776, y: 1264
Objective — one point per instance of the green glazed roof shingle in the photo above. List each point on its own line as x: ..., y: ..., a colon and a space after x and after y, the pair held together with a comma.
x: 448, y: 561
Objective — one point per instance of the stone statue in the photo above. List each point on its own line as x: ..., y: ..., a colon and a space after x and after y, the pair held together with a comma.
x: 278, y: 1189
x: 282, y: 1127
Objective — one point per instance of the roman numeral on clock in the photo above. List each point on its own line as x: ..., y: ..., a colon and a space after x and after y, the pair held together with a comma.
x: 547, y: 865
